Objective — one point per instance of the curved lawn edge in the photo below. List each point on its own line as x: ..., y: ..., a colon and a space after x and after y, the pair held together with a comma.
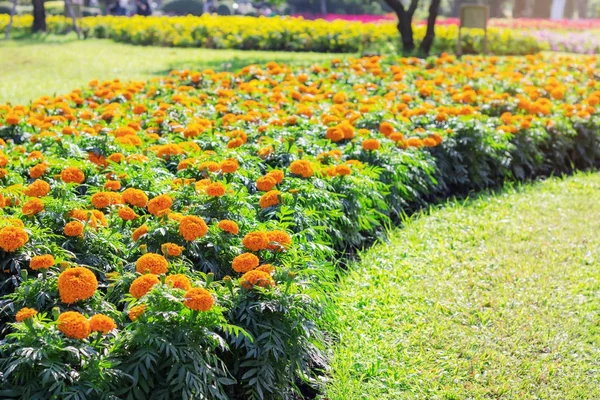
x: 496, y: 297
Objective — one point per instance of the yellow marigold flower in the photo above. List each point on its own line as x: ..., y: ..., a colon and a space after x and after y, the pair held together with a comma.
x: 72, y: 175
x: 171, y: 249
x: 256, y: 278
x: 278, y: 240
x: 229, y: 226
x: 152, y: 263
x: 216, y: 189
x: 102, y: 323
x: 276, y: 174
x: 229, y: 166
x: 178, y: 281
x: 76, y: 284
x: 25, y: 313
x: 136, y: 311
x: 73, y: 325
x: 12, y: 238
x: 245, y: 262
x: 73, y: 228
x: 38, y: 188
x: 371, y: 144
x: 302, y: 168
x: 139, y: 232
x: 127, y: 214
x: 160, y: 204
x: 265, y: 183
x: 142, y: 285
x: 198, y: 299
x: 269, y: 199
x: 192, y: 227
x: 135, y: 197
x: 41, y: 262
x: 255, y: 241
x: 32, y: 207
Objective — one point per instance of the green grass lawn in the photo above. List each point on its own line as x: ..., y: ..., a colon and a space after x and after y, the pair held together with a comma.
x: 496, y: 298
x: 30, y: 68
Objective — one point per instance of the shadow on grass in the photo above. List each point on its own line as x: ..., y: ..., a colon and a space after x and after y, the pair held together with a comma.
x: 232, y: 64
x: 33, y: 39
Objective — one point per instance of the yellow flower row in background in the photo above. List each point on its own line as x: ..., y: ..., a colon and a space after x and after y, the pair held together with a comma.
x: 276, y: 33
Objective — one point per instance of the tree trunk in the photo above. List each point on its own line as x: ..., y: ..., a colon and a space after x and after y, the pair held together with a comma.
x: 427, y: 42
x: 324, y: 7
x: 405, y: 22
x: 569, y: 9
x: 496, y: 9
x: 39, y: 16
x: 541, y: 9
x: 519, y: 8
x: 582, y: 8
x: 13, y: 11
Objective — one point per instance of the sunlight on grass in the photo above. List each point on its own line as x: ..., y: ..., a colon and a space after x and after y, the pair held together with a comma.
x: 496, y: 299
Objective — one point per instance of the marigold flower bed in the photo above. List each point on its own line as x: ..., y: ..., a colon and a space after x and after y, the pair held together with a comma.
x: 177, y: 238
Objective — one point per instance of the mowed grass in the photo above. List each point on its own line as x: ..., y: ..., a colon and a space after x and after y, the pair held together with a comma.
x: 498, y: 298
x: 30, y: 68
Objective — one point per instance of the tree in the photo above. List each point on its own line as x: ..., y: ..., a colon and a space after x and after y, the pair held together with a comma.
x: 13, y: 10
x: 39, y: 16
x: 405, y: 24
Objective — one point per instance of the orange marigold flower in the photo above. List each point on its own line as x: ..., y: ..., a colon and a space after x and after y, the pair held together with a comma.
x: 135, y: 312
x: 72, y: 175
x: 245, y: 262
x: 135, y: 197
x: 210, y: 166
x: 216, y: 189
x: 76, y: 284
x: 255, y: 241
x: 229, y: 226
x: 278, y: 240
x: 198, y: 299
x: 256, y: 278
x: 269, y: 199
x: 38, y: 188
x: 127, y: 214
x: 116, y: 157
x: 12, y: 119
x: 73, y: 228
x: 139, y: 232
x: 12, y: 238
x: 396, y: 136
x: 32, y: 207
x: 74, y: 325
x: 171, y: 249
x: 302, y: 168
x: 38, y: 170
x: 41, y: 262
x: 25, y: 313
x: 178, y: 281
x: 276, y: 174
x: 229, y: 166
x: 101, y: 200
x: 415, y: 142
x: 342, y: 169
x: 153, y: 263
x: 102, y: 323
x: 268, y: 268
x: 112, y: 185
x: 142, y: 285
x: 160, y: 204
x: 386, y: 128
x: 429, y: 142
x: 265, y: 183
x: 371, y: 144
x: 192, y: 227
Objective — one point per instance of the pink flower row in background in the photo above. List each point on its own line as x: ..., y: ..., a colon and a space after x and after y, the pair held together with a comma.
x: 517, y: 23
